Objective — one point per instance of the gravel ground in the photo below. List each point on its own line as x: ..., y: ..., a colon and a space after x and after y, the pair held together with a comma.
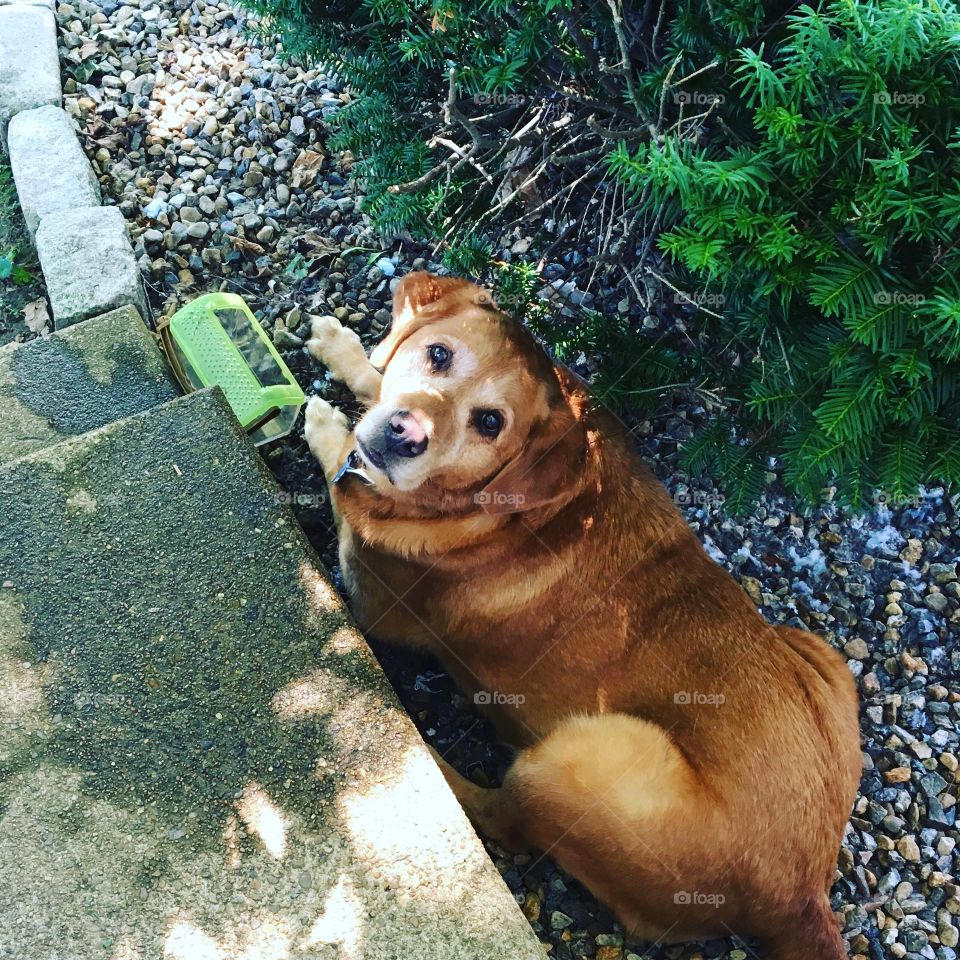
x: 215, y: 151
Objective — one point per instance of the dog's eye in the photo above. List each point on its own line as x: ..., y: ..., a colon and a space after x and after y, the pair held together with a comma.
x: 488, y: 422
x: 439, y: 355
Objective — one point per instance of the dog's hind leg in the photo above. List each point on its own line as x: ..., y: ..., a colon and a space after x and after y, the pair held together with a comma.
x: 613, y: 800
x: 341, y: 351
x: 489, y: 810
x: 813, y: 933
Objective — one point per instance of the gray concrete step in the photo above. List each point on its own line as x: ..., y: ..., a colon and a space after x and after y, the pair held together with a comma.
x: 77, y: 380
x: 199, y: 757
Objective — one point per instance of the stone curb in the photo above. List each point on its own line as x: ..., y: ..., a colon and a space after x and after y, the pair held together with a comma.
x: 84, y: 249
x: 45, y: 187
x: 88, y: 264
x: 77, y: 380
x: 29, y: 61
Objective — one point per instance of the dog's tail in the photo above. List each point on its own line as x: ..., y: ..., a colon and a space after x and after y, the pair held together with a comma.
x: 814, y: 934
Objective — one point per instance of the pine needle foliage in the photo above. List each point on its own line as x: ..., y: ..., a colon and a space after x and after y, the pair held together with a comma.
x: 825, y: 206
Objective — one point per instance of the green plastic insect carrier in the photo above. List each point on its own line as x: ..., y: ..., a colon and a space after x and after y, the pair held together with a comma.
x: 217, y: 341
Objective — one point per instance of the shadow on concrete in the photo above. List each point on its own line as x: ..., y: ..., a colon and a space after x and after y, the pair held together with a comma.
x: 199, y: 756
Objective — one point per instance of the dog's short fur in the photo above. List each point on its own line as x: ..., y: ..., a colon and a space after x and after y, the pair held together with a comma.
x: 691, y: 764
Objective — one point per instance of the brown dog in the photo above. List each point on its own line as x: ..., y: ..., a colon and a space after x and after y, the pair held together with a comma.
x: 691, y: 764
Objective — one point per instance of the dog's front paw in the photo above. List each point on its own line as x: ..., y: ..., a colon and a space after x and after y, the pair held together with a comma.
x: 341, y: 351
x: 325, y: 429
x: 322, y: 418
x: 329, y: 339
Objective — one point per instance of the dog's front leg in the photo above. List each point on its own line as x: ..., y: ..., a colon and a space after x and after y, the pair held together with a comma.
x: 341, y: 351
x: 326, y: 430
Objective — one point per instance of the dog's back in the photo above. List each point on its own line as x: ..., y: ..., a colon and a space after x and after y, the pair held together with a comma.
x: 691, y: 763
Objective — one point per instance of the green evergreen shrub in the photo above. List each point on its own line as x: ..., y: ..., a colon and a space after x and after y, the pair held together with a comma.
x: 824, y: 217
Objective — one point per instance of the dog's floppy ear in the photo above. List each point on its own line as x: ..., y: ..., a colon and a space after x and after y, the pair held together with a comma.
x: 546, y: 468
x: 415, y: 294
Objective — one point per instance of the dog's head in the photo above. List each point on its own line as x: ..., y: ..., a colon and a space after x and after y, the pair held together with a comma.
x: 471, y: 409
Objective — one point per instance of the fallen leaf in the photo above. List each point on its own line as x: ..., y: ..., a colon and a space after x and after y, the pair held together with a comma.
x: 36, y: 316
x: 305, y: 168
x: 320, y: 246
x: 247, y: 246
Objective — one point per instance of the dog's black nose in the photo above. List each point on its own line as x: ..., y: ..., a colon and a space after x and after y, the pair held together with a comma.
x: 404, y: 436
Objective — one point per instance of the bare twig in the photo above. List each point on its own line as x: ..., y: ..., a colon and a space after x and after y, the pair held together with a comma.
x: 651, y: 234
x: 528, y: 182
x: 451, y: 96
x: 604, y: 247
x: 528, y: 128
x: 786, y: 361
x: 577, y: 157
x: 613, y: 108
x: 523, y: 130
x: 464, y: 154
x: 625, y: 68
x: 628, y: 133
x: 411, y: 186
x: 453, y: 112
x: 586, y: 51
x: 589, y: 172
x: 568, y: 189
x: 696, y: 120
x: 666, y: 87
x: 656, y: 28
x: 696, y: 73
x: 641, y: 296
x: 682, y: 295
